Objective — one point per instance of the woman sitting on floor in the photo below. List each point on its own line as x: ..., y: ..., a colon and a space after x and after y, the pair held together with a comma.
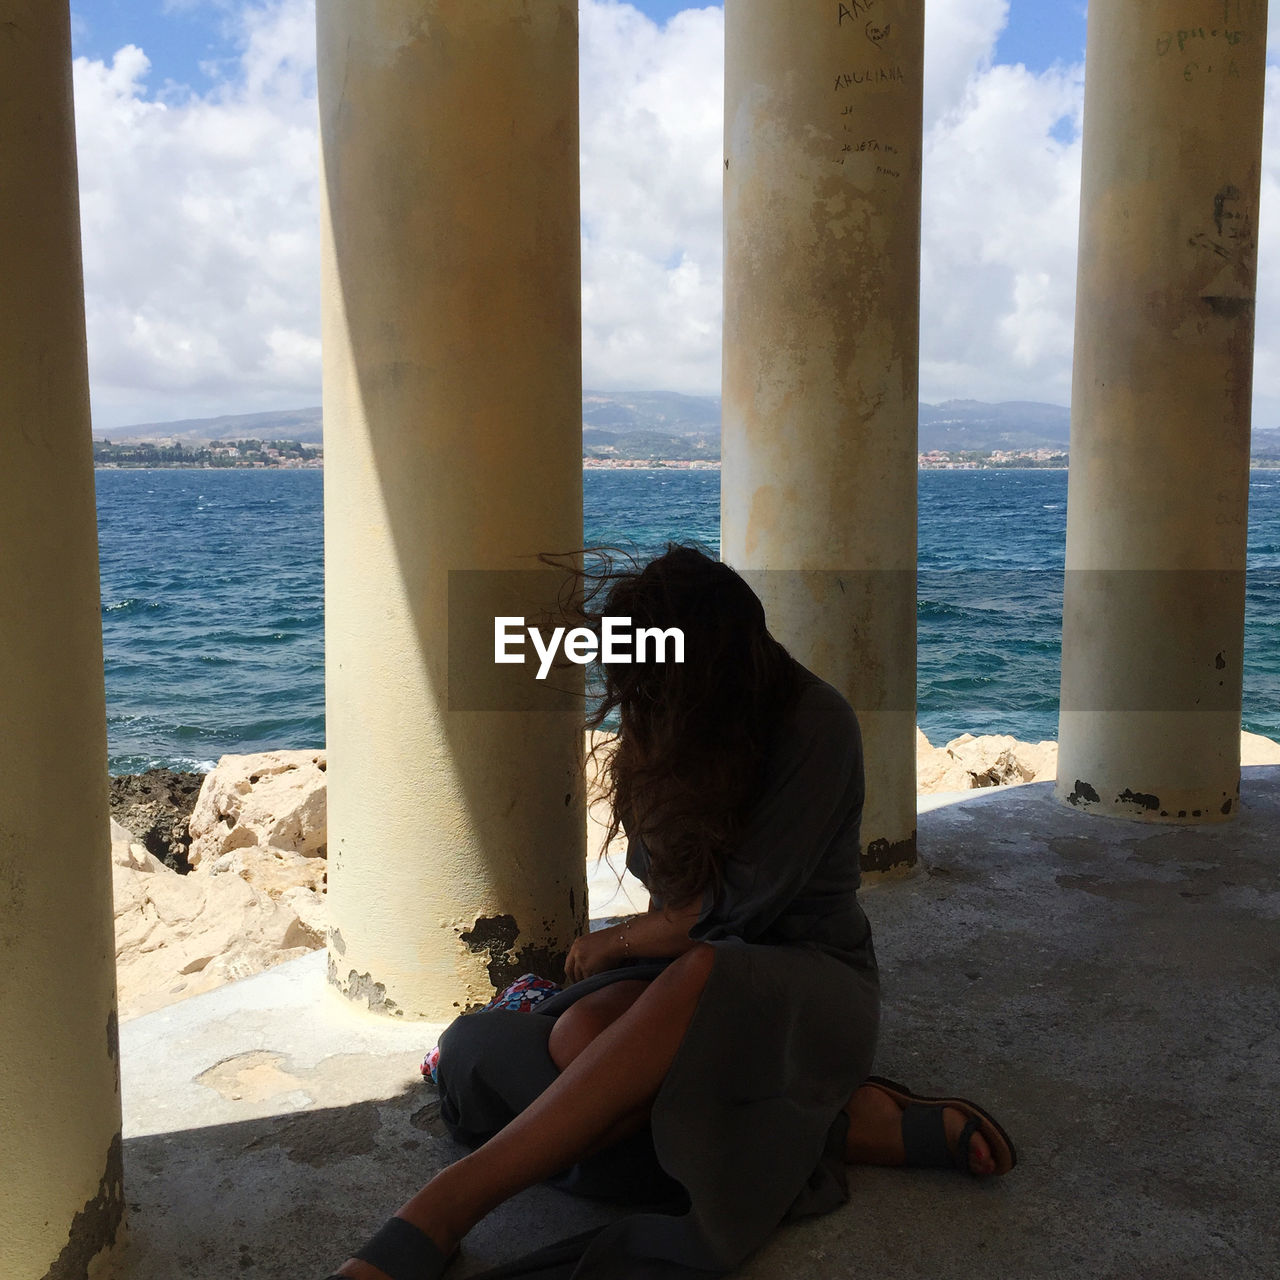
x: 709, y: 1059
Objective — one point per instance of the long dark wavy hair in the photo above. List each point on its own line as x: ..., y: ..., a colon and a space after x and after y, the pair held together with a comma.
x: 694, y: 737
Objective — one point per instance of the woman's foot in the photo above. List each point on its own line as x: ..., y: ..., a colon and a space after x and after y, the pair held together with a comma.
x: 875, y: 1132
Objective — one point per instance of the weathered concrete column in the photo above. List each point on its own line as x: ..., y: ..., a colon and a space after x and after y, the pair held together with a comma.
x: 821, y: 336
x: 452, y: 395
x: 1153, y: 621
x: 60, y: 1156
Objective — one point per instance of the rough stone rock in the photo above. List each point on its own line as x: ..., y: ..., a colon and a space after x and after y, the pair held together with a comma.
x: 155, y: 806
x: 309, y: 906
x: 130, y: 853
x: 1000, y: 760
x: 274, y: 871
x: 179, y: 935
x: 1040, y: 759
x: 275, y: 800
x: 938, y: 770
x: 259, y: 898
x: 990, y: 760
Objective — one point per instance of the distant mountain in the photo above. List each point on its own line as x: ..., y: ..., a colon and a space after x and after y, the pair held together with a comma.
x: 1266, y: 443
x: 302, y: 425
x: 1015, y: 424
x: 650, y: 446
x: 664, y: 411
x: 617, y: 414
x: 665, y: 424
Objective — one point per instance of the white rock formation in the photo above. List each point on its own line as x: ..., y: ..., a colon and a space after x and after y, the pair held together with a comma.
x: 937, y: 769
x: 256, y: 896
x: 179, y: 935
x: 991, y: 760
x: 998, y: 759
x: 274, y: 871
x: 275, y: 799
x: 262, y: 819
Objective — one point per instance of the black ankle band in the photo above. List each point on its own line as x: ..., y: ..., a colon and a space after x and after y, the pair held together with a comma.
x: 402, y: 1251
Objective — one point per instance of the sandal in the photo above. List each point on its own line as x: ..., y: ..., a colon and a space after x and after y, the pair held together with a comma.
x: 924, y: 1137
x: 403, y: 1251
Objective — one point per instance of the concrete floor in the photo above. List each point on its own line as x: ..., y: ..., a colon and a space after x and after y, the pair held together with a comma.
x: 1110, y: 991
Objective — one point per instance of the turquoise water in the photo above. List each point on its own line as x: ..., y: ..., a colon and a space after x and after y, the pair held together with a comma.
x: 212, y: 600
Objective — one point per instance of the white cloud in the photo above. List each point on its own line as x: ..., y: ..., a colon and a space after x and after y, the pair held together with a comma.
x: 200, y: 217
x: 652, y: 152
x: 200, y: 226
x: 1001, y: 210
x: 1266, y: 370
x: 960, y: 41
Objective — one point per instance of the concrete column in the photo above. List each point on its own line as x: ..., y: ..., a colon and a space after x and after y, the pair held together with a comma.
x: 1153, y: 620
x: 60, y: 1156
x: 453, y: 421
x: 821, y: 337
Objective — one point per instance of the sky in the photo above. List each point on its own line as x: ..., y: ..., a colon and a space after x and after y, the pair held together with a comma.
x: 196, y: 124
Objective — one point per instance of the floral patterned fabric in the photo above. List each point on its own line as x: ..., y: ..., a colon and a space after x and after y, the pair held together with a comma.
x: 523, y: 995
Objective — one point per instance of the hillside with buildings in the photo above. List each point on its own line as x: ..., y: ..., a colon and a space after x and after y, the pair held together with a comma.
x: 623, y: 428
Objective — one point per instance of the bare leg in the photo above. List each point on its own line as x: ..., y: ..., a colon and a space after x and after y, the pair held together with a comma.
x: 875, y: 1132
x: 875, y: 1121
x: 579, y: 1025
x: 605, y: 1091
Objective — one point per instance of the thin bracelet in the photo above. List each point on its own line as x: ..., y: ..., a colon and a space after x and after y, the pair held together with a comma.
x: 626, y: 937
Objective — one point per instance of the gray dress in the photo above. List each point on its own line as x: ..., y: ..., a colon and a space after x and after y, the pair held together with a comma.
x: 748, y: 1128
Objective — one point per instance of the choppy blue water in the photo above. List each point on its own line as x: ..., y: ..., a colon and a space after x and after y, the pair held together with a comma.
x: 212, y: 600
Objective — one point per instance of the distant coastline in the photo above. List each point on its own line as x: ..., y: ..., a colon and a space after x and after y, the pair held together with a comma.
x: 316, y: 465
x: 623, y: 464
x: 640, y: 455
x: 216, y: 455
x: 628, y: 430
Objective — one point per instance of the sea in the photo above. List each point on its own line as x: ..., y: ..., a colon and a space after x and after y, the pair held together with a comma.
x: 212, y: 600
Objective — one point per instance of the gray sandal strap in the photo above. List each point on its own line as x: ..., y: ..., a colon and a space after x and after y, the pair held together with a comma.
x: 924, y: 1138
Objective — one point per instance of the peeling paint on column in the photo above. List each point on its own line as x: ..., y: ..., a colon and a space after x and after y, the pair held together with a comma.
x: 1083, y: 793
x: 1141, y: 799
x: 361, y: 988
x: 95, y: 1227
x: 113, y: 1045
x: 884, y: 855
x: 496, y: 937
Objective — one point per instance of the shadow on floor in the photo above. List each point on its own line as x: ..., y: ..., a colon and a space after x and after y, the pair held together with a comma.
x: 1111, y: 991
